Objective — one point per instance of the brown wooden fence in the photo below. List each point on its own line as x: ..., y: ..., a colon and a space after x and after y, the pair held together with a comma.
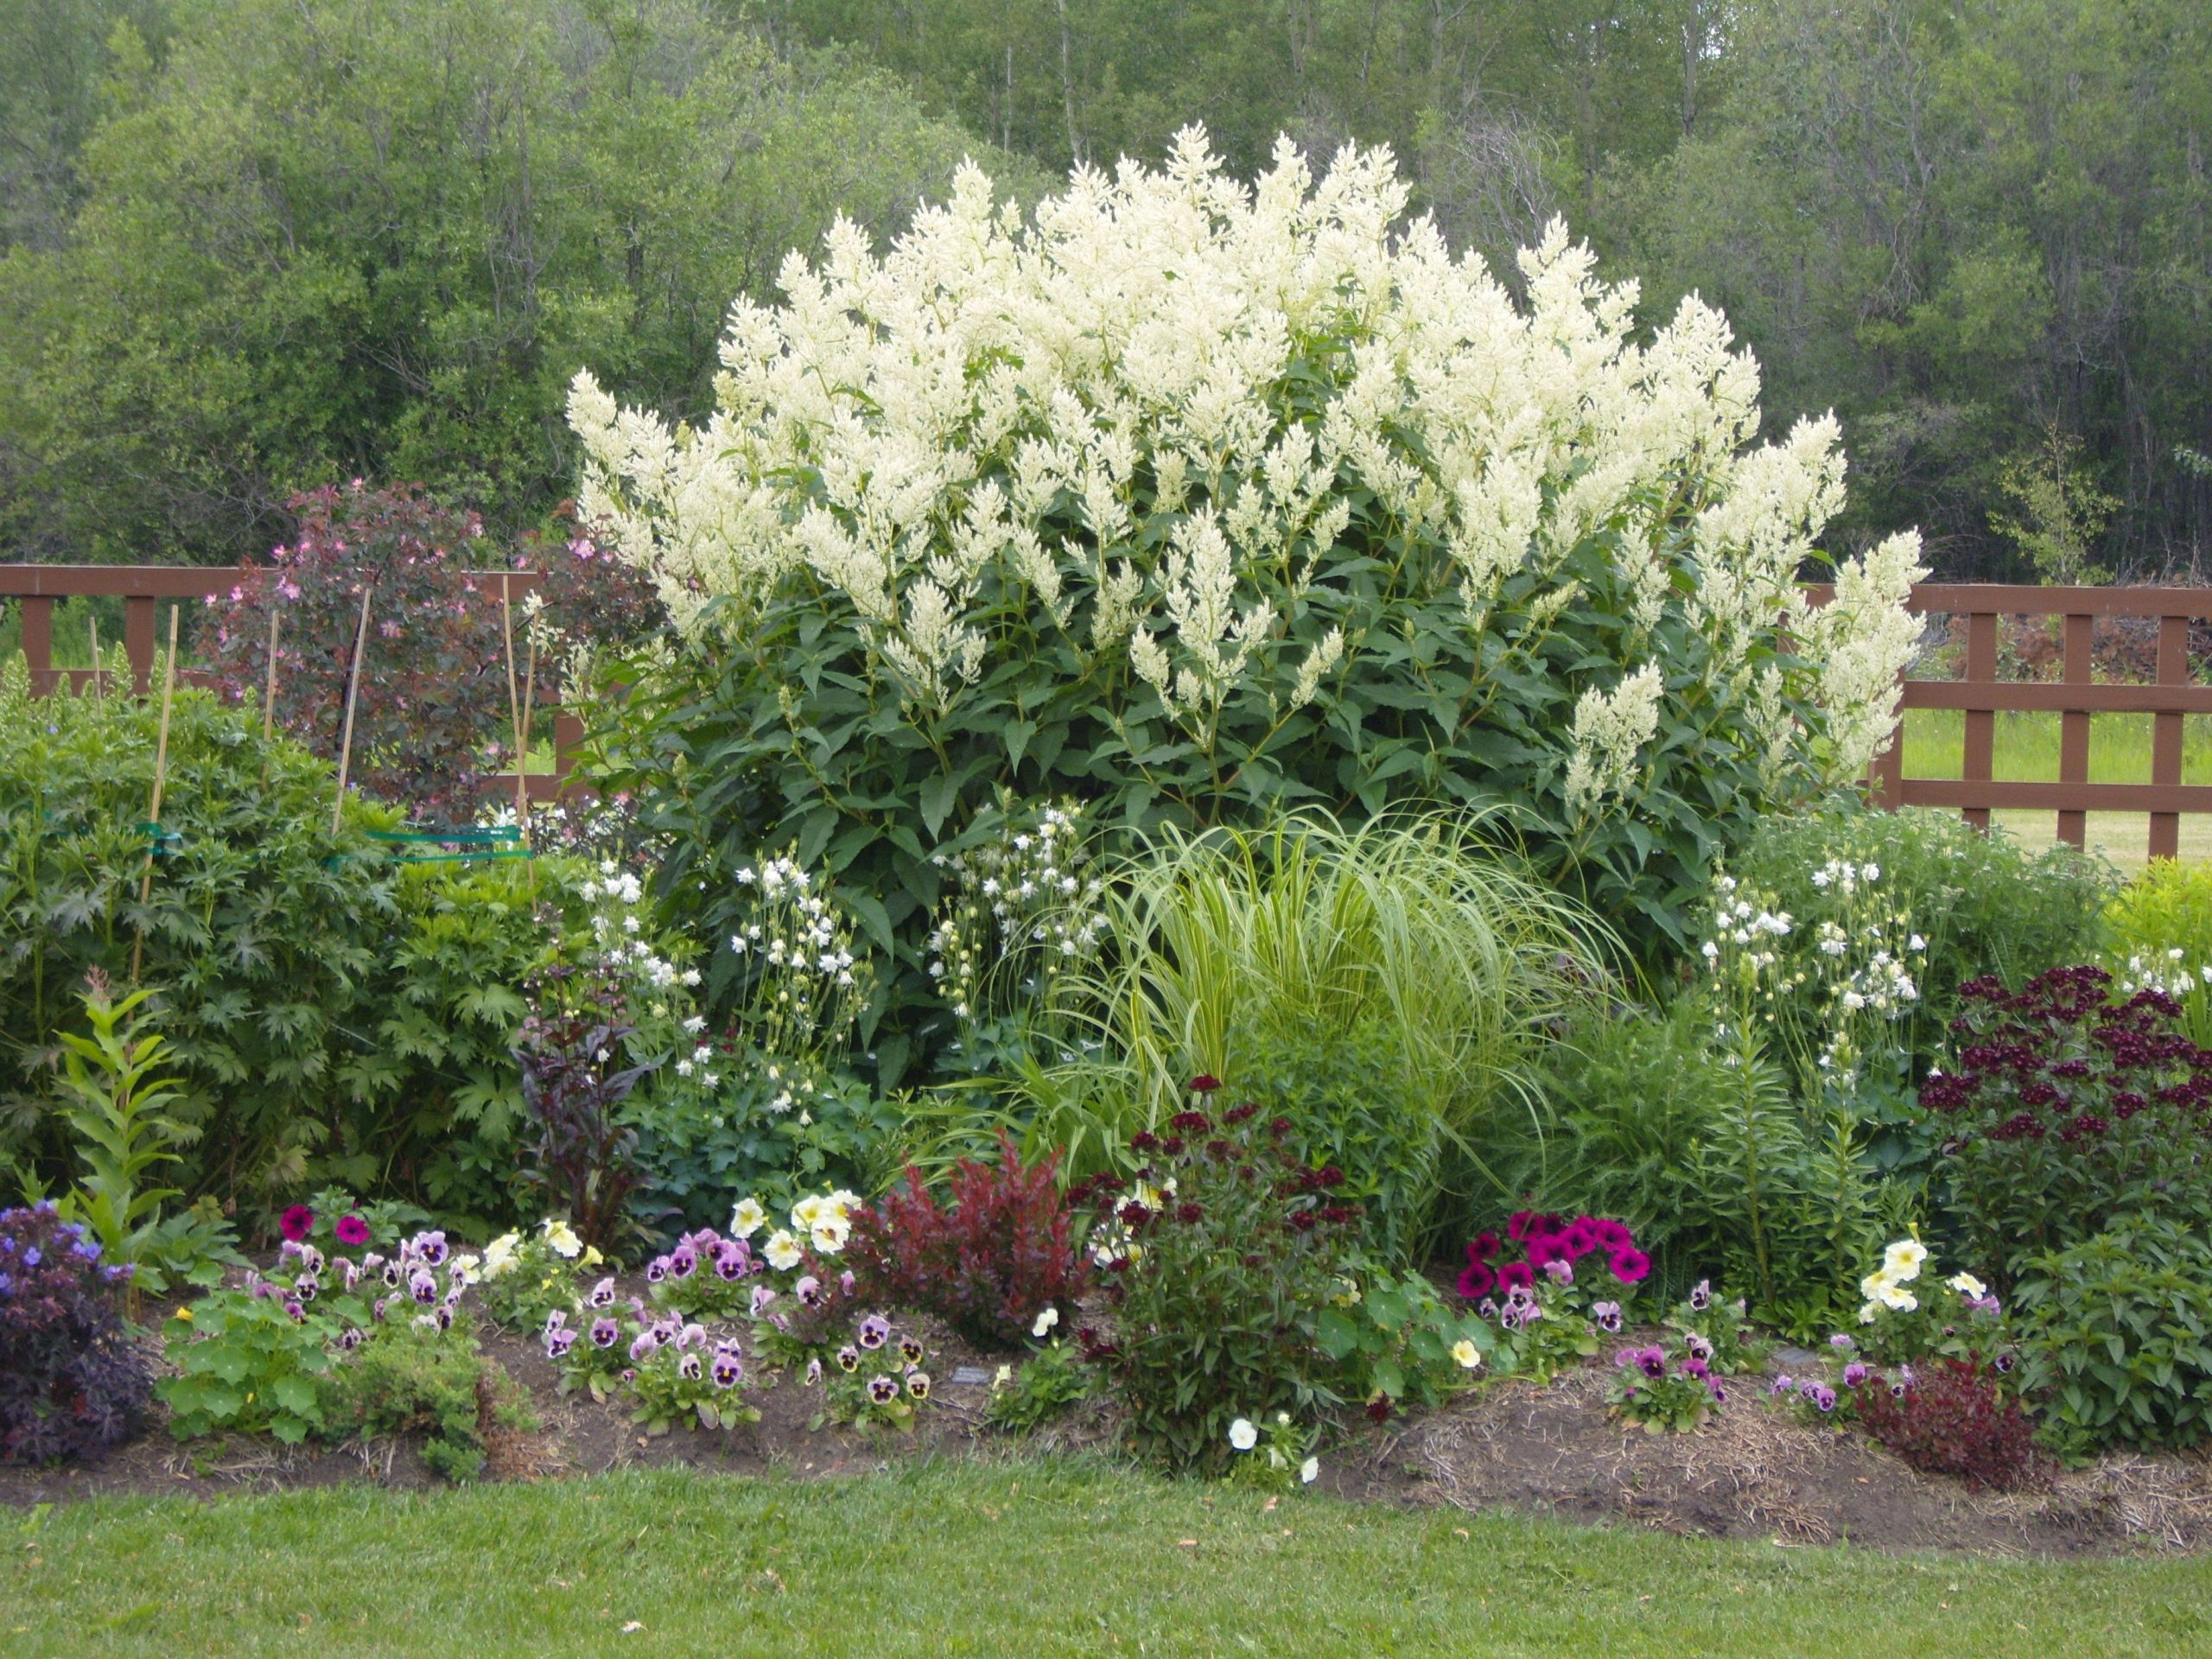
x: 34, y: 588
x: 2074, y: 698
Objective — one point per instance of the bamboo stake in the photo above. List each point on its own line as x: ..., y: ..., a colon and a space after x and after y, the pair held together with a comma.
x: 353, y: 696
x: 93, y: 623
x: 514, y: 704
x: 529, y: 709
x: 269, y: 694
x: 153, y: 810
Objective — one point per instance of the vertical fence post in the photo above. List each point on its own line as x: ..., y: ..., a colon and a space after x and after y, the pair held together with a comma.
x: 1981, y: 723
x: 138, y: 641
x: 2166, y: 733
x: 2074, y: 729
x: 38, y: 641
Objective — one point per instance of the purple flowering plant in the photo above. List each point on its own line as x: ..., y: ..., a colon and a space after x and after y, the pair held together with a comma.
x: 72, y: 1384
x: 2062, y: 1109
x: 256, y: 1358
x: 1712, y: 1328
x: 706, y: 1276
x: 877, y: 1378
x: 1661, y: 1388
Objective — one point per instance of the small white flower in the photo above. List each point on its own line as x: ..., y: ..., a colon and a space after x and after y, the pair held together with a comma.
x: 1309, y: 1470
x: 1045, y: 1321
x: 1242, y: 1435
x: 1468, y: 1355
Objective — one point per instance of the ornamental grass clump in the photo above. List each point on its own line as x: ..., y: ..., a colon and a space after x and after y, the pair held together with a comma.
x: 1216, y: 1258
x: 72, y: 1384
x: 1197, y: 498
x: 2063, y: 1110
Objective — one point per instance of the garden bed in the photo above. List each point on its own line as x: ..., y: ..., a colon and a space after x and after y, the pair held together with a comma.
x: 1754, y: 1471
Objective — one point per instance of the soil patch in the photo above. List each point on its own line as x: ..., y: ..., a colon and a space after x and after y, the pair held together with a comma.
x: 1754, y: 1471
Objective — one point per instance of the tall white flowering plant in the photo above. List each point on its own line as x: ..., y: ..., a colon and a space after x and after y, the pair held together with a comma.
x: 1198, y: 499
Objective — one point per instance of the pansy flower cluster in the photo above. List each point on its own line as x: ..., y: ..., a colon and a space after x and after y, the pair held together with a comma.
x: 875, y: 1378
x: 1659, y: 1391
x: 703, y: 1274
x: 421, y: 1283
x: 671, y: 1369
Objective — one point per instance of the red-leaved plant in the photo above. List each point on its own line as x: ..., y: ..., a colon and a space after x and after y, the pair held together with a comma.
x: 990, y: 1262
x: 1954, y: 1419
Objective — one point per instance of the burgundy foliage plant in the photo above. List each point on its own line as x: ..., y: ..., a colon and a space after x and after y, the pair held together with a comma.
x: 1954, y: 1418
x: 990, y: 1260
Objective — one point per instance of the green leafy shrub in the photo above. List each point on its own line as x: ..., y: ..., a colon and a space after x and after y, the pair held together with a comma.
x: 258, y: 927
x: 1042, y: 1389
x: 1314, y: 517
x: 1631, y: 1100
x: 1398, y: 1342
x: 2116, y: 1335
x: 1979, y: 901
x: 432, y: 1383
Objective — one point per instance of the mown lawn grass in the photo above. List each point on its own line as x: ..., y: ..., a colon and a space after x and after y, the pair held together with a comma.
x: 1019, y: 1559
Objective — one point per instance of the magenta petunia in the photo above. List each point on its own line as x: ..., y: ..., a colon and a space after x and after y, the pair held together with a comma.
x: 351, y: 1231
x: 1485, y: 1247
x: 1477, y: 1281
x: 296, y: 1223
x: 1612, y: 1236
x: 1516, y: 1275
x: 1578, y: 1238
x: 1544, y: 1248
x: 1630, y: 1265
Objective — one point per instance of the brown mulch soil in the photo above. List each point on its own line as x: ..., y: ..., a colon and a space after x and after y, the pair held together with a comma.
x: 1754, y: 1471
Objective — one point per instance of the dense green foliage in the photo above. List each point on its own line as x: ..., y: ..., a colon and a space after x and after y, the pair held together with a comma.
x: 2116, y: 1335
x: 332, y: 1014
x: 1977, y: 232
x: 256, y: 932
x: 267, y: 246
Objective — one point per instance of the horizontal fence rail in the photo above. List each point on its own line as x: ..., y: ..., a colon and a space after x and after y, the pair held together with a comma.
x: 1982, y: 697
x: 1979, y: 694
x: 34, y: 589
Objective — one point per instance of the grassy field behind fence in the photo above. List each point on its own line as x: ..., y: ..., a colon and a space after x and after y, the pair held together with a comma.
x: 2026, y: 749
x: 1020, y: 1559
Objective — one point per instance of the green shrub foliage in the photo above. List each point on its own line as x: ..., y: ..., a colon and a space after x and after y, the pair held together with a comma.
x: 2116, y: 1335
